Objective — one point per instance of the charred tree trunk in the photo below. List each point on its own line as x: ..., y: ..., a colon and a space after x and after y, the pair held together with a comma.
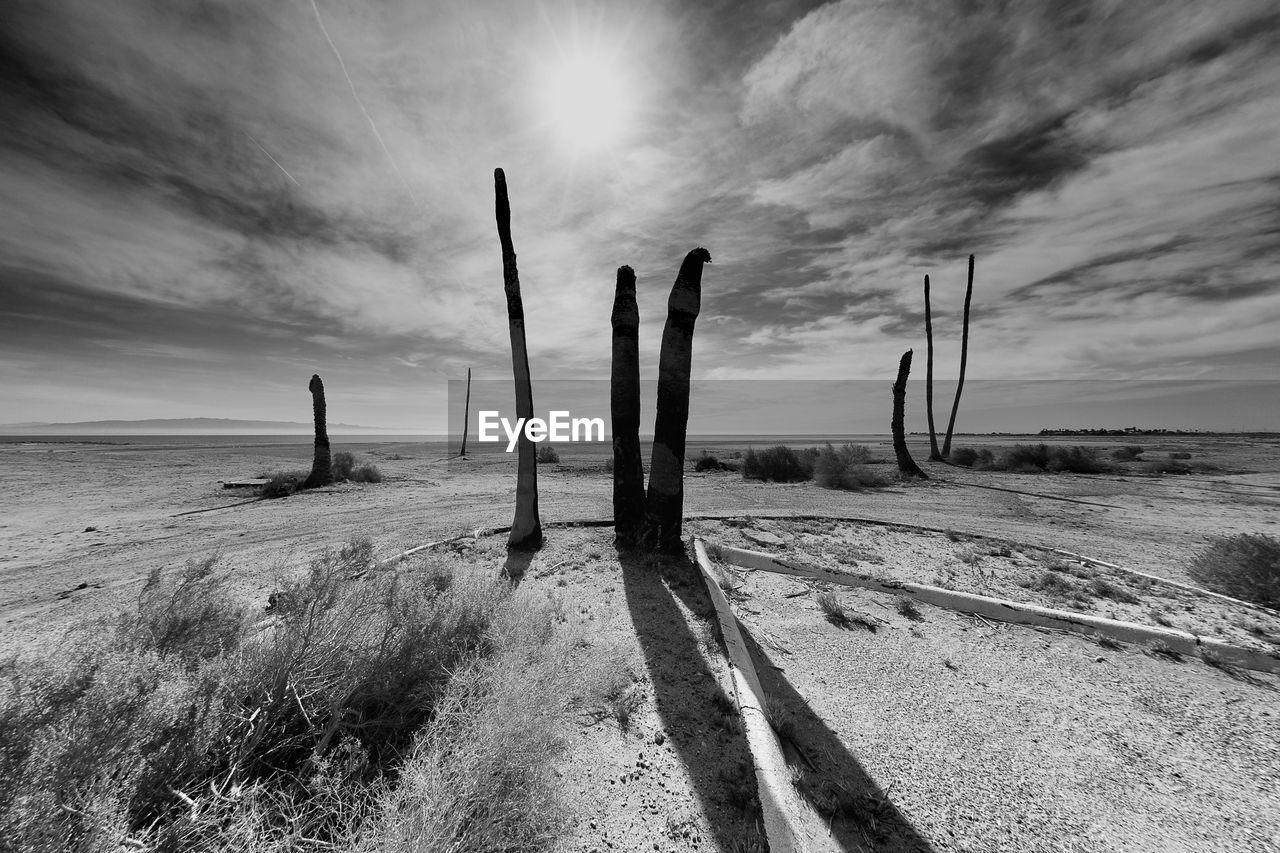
x: 624, y: 403
x: 664, y: 505
x: 466, y: 414
x: 526, y: 529
x: 321, y: 474
x: 906, y: 464
x: 964, y: 356
x: 928, y: 373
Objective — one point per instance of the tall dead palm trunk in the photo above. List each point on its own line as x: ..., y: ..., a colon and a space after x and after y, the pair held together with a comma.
x: 964, y: 356
x: 664, y: 505
x: 624, y: 403
x: 321, y: 474
x: 466, y: 415
x: 526, y: 529
x: 906, y: 464
x: 928, y: 373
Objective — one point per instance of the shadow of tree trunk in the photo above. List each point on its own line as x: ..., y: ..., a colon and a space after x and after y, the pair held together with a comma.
x: 860, y: 815
x: 700, y: 720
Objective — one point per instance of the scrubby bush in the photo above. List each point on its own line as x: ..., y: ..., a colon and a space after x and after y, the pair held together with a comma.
x: 341, y: 464
x: 283, y: 483
x: 845, y: 468
x: 188, y: 613
x: 1025, y: 458
x: 343, y: 467
x: 970, y: 457
x: 707, y: 462
x: 548, y: 453
x: 1164, y: 466
x: 1244, y: 566
x: 1034, y: 458
x: 371, y: 703
x: 780, y: 464
x: 366, y: 473
x: 1126, y: 454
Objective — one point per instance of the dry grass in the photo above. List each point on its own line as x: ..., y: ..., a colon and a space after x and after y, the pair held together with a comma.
x: 1060, y: 590
x: 1104, y: 588
x: 907, y: 607
x: 840, y: 616
x: 372, y: 709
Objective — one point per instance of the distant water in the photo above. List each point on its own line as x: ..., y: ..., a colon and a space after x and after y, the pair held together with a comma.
x: 223, y: 440
x: 184, y: 440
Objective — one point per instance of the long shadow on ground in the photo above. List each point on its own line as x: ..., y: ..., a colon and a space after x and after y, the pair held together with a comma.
x: 697, y: 716
x: 859, y: 813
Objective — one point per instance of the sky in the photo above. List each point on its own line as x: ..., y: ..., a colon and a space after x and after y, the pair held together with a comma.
x: 203, y: 203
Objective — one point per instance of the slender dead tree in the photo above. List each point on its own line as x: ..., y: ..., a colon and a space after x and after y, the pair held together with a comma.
x: 526, y: 529
x: 928, y: 374
x: 624, y: 403
x: 321, y: 474
x: 964, y: 355
x: 664, y: 505
x: 466, y: 413
x: 906, y: 464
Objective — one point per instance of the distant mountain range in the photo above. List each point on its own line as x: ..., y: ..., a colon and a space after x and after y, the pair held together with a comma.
x: 175, y: 426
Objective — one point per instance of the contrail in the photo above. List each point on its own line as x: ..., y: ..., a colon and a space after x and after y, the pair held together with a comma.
x: 272, y: 159
x: 355, y: 96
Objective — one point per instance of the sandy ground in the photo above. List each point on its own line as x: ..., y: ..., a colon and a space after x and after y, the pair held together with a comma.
x: 942, y: 734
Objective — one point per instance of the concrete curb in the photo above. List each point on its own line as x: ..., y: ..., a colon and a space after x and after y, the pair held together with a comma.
x: 608, y: 522
x: 789, y: 823
x: 1011, y: 611
x: 783, y: 516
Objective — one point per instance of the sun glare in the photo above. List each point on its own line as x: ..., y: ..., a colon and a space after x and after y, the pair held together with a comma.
x: 586, y: 102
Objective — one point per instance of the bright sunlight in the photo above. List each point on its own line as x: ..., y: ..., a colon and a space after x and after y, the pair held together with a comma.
x: 586, y: 101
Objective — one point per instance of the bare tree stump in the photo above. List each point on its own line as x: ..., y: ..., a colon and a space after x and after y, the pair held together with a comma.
x: 906, y: 464
x: 664, y: 505
x: 321, y: 472
x: 526, y: 529
x: 466, y: 413
x: 964, y: 356
x: 624, y: 401
x: 928, y: 374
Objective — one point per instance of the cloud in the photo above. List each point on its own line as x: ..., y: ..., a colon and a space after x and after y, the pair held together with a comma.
x: 1111, y: 165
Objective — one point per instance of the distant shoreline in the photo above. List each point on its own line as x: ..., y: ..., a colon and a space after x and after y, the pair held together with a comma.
x: 282, y: 439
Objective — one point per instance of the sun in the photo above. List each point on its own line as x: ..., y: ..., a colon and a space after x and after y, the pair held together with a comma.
x: 586, y: 101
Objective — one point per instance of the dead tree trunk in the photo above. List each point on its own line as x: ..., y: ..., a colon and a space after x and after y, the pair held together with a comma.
x: 964, y: 355
x: 906, y: 464
x: 624, y: 402
x: 526, y: 529
x: 928, y: 373
x: 664, y: 505
x: 321, y: 474
x: 466, y: 414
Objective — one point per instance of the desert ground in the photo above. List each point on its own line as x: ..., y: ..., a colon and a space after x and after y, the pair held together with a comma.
x: 936, y: 731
